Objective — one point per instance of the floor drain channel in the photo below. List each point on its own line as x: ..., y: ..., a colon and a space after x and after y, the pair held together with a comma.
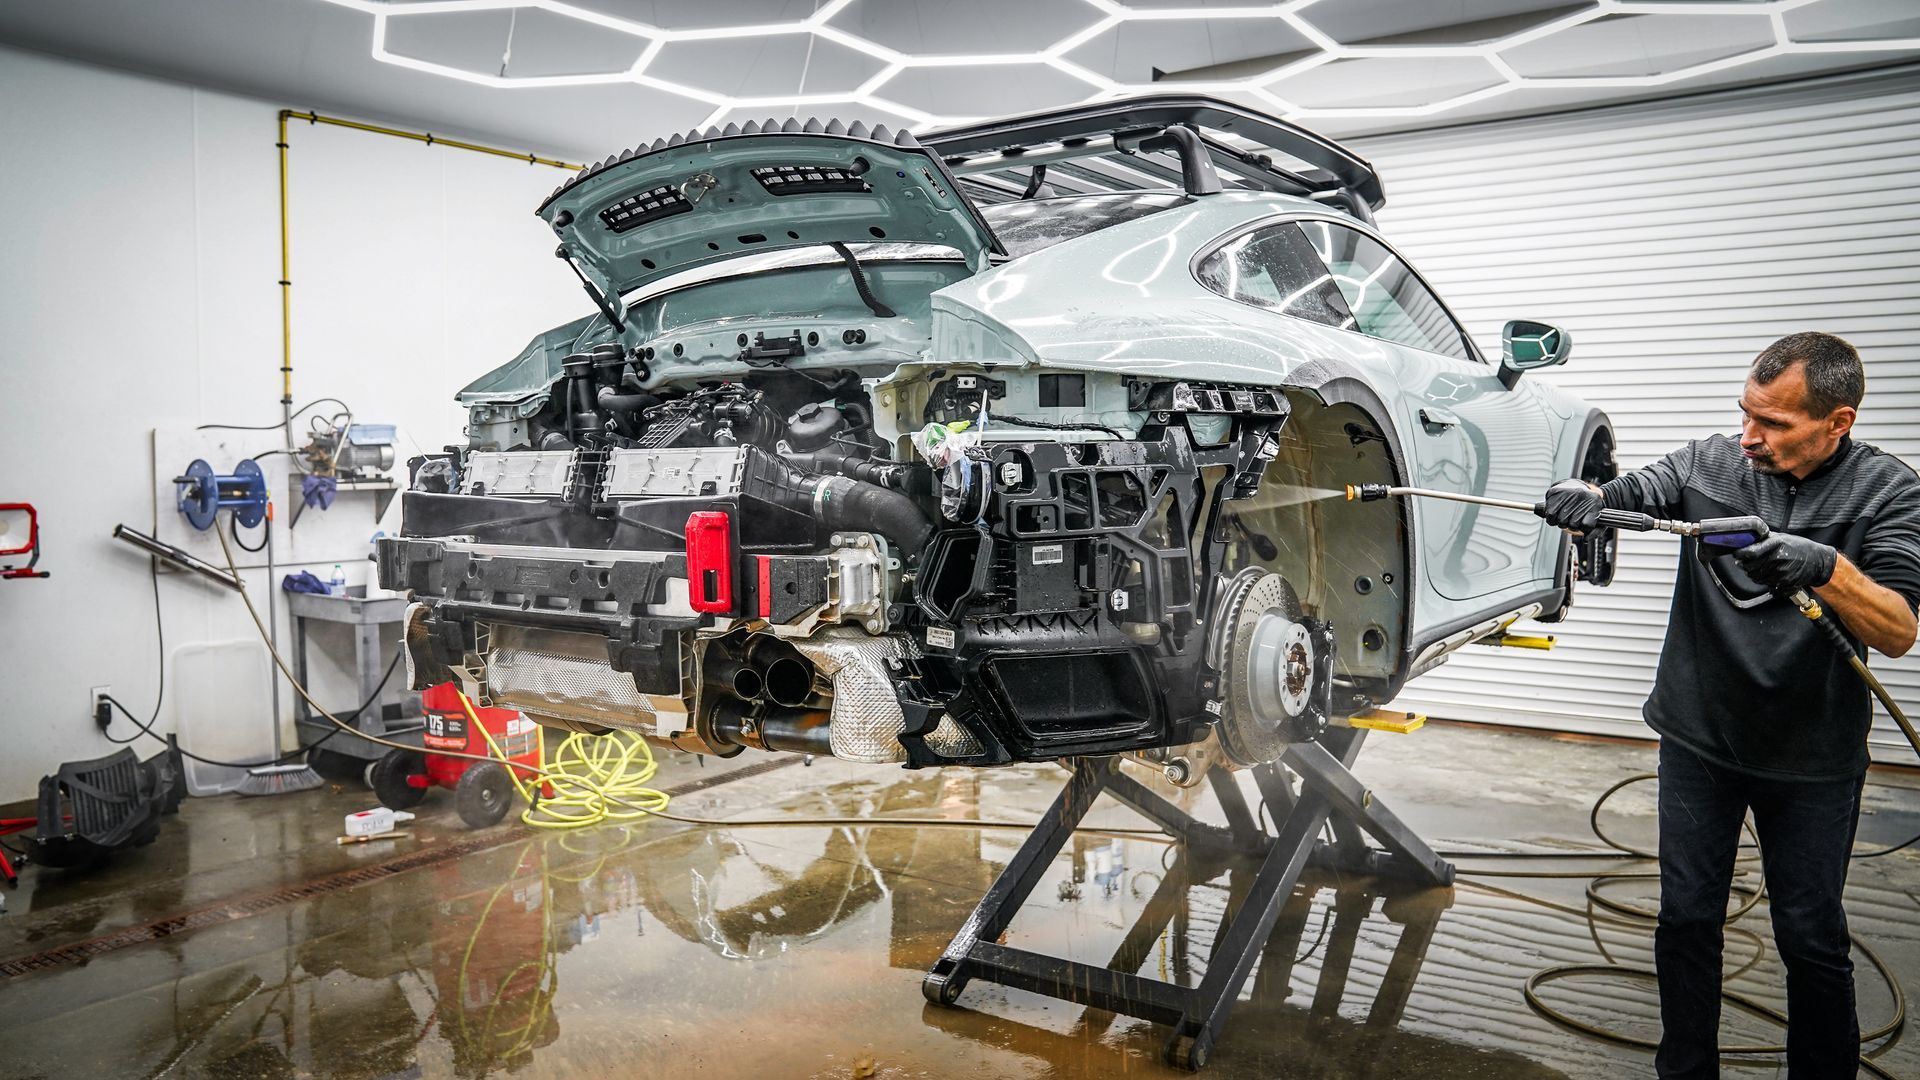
x: 248, y: 906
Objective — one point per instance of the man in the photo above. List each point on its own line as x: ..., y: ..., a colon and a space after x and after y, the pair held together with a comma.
x: 1755, y: 709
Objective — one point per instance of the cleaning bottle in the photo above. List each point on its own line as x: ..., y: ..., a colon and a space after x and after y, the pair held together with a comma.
x: 337, y: 585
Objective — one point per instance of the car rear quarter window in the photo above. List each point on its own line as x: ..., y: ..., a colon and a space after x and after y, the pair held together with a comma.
x: 1277, y: 268
x: 1388, y: 300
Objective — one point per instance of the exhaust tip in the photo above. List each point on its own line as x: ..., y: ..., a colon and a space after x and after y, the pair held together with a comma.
x: 789, y: 681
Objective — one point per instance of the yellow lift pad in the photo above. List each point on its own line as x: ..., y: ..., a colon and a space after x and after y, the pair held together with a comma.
x: 1400, y: 723
x: 1519, y: 641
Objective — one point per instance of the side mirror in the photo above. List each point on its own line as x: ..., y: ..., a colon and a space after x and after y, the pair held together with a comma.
x: 1525, y: 345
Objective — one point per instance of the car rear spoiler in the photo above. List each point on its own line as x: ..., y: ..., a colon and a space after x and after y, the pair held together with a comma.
x: 1154, y: 142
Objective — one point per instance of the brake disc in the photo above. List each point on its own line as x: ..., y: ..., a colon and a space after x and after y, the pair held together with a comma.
x: 1269, y: 671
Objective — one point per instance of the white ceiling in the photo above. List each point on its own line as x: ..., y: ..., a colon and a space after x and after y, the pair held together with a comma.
x: 581, y: 78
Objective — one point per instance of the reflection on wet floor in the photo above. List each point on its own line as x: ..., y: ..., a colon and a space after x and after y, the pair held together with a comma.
x: 798, y: 951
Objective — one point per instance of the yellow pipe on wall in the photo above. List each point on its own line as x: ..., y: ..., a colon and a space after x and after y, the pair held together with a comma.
x: 286, y: 257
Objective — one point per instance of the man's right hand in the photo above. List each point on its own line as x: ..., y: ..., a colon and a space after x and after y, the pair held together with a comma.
x: 1573, y: 504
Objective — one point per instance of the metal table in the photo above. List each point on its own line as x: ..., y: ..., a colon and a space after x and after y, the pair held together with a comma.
x: 366, y: 616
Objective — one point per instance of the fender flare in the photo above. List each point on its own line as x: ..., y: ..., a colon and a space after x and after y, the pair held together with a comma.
x: 1596, y: 423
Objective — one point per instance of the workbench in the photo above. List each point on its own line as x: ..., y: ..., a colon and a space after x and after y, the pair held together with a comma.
x: 343, y: 755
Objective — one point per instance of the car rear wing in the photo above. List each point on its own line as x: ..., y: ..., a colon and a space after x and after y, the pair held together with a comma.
x: 1154, y: 142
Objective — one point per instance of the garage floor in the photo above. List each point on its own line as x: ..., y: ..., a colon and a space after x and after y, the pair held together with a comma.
x: 245, y: 943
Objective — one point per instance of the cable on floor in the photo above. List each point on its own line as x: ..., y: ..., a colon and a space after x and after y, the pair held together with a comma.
x: 1635, y: 917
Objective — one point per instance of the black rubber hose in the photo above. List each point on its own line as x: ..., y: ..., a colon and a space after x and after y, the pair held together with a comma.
x: 860, y: 283
x: 841, y: 503
x: 844, y: 503
x: 845, y: 461
x: 625, y: 403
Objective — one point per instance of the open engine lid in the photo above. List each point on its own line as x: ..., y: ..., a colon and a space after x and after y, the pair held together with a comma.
x: 711, y: 195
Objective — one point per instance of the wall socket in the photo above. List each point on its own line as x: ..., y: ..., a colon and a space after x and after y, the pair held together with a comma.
x: 94, y: 704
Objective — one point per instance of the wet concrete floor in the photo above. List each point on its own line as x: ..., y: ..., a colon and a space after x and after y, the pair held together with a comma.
x: 245, y: 943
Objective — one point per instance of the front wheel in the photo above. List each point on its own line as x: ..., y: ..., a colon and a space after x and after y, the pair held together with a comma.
x: 483, y: 795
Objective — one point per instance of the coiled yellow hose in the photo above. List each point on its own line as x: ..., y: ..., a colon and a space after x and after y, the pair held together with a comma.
x: 592, y: 778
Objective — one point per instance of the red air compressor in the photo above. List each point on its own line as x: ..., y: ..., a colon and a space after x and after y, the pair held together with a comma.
x: 482, y: 790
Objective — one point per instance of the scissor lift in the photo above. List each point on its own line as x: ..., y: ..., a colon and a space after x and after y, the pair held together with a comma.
x: 1328, y: 793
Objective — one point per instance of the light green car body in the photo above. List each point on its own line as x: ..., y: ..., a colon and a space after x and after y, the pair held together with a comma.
x: 1122, y: 300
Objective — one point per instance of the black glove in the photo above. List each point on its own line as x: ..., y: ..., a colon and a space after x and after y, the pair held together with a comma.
x: 1571, y: 504
x: 1782, y: 561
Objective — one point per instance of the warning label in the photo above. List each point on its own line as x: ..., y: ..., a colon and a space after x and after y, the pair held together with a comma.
x: 445, y: 732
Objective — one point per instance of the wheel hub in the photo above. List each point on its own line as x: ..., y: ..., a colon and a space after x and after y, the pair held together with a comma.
x: 1270, y: 667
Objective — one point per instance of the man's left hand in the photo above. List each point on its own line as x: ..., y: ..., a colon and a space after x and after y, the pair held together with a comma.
x: 1783, y: 561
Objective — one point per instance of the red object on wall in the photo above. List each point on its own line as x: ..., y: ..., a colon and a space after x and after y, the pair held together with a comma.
x: 14, y: 537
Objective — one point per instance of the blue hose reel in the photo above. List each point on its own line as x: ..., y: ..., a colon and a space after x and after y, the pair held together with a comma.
x: 203, y: 494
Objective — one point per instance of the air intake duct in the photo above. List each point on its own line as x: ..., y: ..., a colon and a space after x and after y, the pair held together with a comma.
x: 839, y: 502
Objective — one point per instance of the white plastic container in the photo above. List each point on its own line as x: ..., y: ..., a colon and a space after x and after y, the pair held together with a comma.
x: 220, y: 693
x: 375, y: 821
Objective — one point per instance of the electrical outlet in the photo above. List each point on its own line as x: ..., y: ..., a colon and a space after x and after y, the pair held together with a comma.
x: 97, y: 706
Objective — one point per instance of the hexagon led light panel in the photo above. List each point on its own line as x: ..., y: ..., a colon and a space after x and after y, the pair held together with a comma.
x: 931, y: 64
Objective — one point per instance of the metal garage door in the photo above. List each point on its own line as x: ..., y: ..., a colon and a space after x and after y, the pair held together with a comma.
x: 1674, y: 239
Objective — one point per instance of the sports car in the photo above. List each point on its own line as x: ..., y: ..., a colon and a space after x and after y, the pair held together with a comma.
x: 1018, y: 441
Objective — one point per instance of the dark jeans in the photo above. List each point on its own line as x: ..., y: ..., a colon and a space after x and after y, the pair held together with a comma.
x: 1806, y: 832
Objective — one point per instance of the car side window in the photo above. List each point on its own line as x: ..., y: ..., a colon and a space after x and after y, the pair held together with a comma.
x: 1387, y: 300
x: 1276, y: 268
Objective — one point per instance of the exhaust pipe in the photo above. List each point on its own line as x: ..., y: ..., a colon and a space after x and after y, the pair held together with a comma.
x: 789, y: 682
x: 785, y: 676
x: 794, y: 731
x: 726, y: 672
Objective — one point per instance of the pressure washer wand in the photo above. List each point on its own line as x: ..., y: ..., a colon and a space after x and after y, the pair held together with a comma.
x: 1609, y: 519
x: 1729, y: 534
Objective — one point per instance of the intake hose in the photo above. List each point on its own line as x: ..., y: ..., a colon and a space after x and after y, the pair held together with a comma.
x: 841, y: 503
x: 850, y: 463
x: 614, y: 401
x: 844, y: 503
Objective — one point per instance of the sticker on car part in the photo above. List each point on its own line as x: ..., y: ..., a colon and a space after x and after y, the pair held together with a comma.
x: 1049, y: 554
x: 939, y: 637
x: 445, y: 732
x: 1215, y: 707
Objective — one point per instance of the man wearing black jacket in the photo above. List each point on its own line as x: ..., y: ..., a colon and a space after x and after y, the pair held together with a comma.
x: 1754, y: 708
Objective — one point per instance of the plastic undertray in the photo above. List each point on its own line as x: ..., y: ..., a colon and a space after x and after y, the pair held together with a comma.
x: 222, y: 709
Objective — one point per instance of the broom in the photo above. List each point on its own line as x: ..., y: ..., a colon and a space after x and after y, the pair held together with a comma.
x: 293, y: 776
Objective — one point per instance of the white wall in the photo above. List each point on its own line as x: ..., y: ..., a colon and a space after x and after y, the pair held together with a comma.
x: 138, y: 268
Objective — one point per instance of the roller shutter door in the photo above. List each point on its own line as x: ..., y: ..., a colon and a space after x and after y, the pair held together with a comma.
x: 1674, y: 239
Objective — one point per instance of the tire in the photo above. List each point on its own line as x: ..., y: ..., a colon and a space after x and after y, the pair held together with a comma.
x: 388, y: 778
x: 483, y: 795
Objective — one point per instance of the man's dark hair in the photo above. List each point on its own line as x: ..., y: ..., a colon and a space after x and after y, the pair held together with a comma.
x: 1835, y: 376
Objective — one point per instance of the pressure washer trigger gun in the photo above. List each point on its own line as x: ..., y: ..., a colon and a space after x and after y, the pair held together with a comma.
x: 1718, y: 536
x: 1726, y: 534
x: 1715, y: 536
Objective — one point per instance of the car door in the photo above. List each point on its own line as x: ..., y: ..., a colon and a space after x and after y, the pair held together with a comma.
x: 1462, y: 427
